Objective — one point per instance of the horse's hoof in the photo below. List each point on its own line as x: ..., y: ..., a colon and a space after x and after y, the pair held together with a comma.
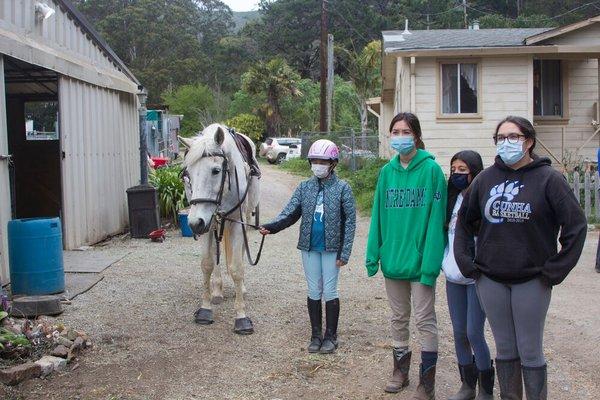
x: 243, y: 326
x: 203, y: 316
x: 217, y: 299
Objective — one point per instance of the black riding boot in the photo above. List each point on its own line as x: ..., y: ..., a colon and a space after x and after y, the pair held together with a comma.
x: 486, y: 384
x: 332, y: 314
x: 510, y: 379
x: 535, y: 379
x: 315, y: 312
x: 468, y: 378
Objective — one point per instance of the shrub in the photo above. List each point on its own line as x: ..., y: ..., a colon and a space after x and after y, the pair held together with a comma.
x: 362, y: 181
x: 248, y: 124
x: 171, y: 193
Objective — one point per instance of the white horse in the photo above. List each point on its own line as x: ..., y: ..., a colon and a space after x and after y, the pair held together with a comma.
x: 218, y: 181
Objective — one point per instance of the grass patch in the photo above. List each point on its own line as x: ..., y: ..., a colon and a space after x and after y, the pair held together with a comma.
x: 362, y: 181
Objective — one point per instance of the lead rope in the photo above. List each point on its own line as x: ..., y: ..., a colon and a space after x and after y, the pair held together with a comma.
x: 220, y: 220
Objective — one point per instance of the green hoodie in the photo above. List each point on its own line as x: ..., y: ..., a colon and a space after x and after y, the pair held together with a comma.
x: 407, y: 222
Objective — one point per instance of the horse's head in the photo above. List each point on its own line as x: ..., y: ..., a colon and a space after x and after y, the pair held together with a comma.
x: 206, y: 164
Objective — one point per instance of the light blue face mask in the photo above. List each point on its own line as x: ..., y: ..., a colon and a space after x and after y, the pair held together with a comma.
x: 402, y: 144
x: 510, y: 153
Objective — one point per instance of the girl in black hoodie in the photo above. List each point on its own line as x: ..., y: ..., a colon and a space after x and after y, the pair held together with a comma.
x: 516, y: 208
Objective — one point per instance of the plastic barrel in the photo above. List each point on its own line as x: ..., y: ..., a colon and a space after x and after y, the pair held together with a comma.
x: 35, y: 256
x: 186, y: 231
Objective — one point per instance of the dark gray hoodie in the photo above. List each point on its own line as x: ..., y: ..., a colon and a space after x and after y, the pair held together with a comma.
x: 520, y: 214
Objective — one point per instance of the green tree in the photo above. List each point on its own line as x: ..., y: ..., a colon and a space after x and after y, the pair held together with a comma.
x: 248, y: 124
x: 195, y: 103
x: 165, y: 43
x: 364, y: 69
x: 275, y: 79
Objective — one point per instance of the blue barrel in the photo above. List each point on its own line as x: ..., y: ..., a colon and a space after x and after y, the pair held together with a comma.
x: 186, y: 231
x: 35, y: 256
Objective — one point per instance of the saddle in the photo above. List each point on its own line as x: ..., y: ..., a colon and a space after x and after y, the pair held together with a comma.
x: 246, y: 151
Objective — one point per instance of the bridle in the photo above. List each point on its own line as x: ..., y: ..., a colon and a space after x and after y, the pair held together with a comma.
x: 220, y: 216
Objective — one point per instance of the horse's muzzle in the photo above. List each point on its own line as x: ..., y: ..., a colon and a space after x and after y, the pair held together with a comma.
x: 199, y: 227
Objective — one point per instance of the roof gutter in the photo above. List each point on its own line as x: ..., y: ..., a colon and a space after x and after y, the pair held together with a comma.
x: 509, y: 50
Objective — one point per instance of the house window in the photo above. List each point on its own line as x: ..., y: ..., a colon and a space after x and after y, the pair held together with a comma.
x: 459, y: 88
x: 547, y: 88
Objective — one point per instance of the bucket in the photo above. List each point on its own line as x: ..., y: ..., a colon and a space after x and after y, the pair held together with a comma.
x: 35, y: 256
x: 186, y: 231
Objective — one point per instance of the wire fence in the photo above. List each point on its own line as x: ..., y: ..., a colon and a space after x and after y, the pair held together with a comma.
x: 356, y: 148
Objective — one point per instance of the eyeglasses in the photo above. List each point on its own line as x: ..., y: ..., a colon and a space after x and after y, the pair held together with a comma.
x: 513, y: 138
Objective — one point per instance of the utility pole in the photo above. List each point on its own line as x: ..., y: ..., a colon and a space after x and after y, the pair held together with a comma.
x: 329, y: 80
x: 323, y: 54
x: 465, y: 12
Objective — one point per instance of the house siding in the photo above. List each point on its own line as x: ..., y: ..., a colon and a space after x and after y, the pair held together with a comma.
x: 506, y: 89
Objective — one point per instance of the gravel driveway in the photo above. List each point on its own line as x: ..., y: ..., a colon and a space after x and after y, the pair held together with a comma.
x: 147, y: 346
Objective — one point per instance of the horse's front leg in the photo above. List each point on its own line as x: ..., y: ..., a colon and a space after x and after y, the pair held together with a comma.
x: 204, y: 315
x: 235, y: 264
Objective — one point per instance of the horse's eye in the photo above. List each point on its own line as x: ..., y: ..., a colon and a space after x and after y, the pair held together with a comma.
x: 216, y: 171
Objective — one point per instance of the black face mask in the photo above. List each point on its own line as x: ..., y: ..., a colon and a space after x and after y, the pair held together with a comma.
x: 460, y: 181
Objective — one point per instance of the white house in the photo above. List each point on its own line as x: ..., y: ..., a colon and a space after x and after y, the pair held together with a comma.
x: 462, y: 82
x: 57, y: 71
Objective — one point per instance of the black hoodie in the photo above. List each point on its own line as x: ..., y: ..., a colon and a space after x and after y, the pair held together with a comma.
x: 520, y: 213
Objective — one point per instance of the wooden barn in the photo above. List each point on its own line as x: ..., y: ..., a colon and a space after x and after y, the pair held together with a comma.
x: 462, y: 82
x: 68, y: 124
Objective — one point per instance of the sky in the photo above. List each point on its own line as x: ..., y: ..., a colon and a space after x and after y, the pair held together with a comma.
x: 242, y: 5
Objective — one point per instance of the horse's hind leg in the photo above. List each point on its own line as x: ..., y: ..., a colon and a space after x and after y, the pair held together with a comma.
x: 204, y: 314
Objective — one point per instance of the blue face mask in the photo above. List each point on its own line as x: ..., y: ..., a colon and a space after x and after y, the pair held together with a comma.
x: 510, y: 153
x: 402, y: 144
x: 460, y: 181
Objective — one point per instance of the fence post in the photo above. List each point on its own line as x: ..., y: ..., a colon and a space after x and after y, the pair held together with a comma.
x: 352, y: 156
x: 576, y: 186
x: 587, y: 192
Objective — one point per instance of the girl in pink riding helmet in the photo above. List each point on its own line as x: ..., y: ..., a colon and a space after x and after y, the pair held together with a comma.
x: 326, y: 206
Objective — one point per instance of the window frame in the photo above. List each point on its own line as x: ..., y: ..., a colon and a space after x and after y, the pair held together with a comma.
x: 445, y: 117
x: 553, y: 119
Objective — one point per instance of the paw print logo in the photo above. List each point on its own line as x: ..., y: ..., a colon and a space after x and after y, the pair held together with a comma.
x: 507, y: 190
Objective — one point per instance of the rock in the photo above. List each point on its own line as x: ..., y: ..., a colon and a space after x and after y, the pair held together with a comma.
x: 72, y: 334
x: 64, y: 341
x: 57, y: 363
x: 46, y: 366
x: 78, y: 345
x: 60, y: 351
x: 15, y: 375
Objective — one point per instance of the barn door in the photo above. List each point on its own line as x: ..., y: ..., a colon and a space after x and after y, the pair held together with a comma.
x: 5, y: 201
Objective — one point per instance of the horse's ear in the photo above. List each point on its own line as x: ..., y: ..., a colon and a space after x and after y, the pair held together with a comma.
x: 185, y: 142
x: 219, y: 136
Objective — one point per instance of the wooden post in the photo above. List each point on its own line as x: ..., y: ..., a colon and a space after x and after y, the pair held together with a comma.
x: 597, y: 197
x: 587, y: 192
x: 323, y: 54
x: 576, y: 186
x: 329, y: 80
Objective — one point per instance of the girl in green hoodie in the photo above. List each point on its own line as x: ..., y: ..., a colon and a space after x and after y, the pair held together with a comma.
x: 407, y: 241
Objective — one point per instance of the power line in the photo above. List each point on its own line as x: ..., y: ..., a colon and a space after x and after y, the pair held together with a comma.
x: 529, y: 19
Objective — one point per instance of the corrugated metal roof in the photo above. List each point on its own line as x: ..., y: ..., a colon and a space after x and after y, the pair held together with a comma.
x: 457, y: 38
x: 95, y: 36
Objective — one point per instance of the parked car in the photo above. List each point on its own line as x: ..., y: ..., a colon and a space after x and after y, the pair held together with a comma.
x: 275, y: 150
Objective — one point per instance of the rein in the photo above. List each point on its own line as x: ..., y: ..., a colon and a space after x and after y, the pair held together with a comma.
x: 221, y: 217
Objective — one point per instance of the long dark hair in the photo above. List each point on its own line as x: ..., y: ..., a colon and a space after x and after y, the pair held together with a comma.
x: 413, y: 122
x: 524, y: 126
x: 475, y: 164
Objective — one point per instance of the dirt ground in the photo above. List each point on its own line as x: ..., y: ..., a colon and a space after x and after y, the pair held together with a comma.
x: 148, y: 347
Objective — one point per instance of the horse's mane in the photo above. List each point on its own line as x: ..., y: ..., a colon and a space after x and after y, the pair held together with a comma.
x: 204, y: 144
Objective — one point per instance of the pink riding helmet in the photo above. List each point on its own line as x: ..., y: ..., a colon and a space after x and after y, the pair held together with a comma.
x: 323, y: 149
